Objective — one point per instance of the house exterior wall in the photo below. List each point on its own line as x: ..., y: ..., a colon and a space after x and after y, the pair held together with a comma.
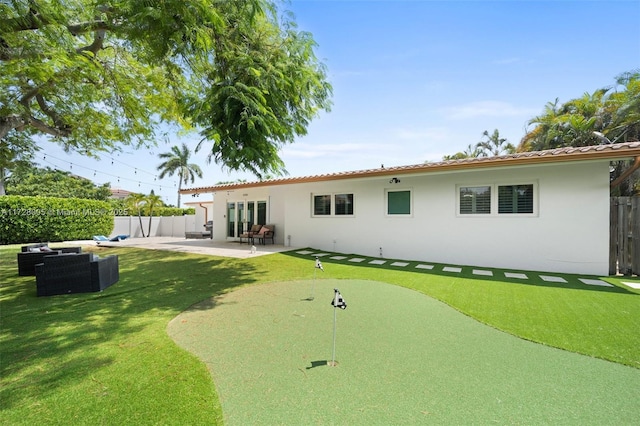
x: 568, y: 231
x: 275, y: 213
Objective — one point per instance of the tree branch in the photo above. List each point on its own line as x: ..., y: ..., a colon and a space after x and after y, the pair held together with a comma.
x: 11, y: 122
x: 55, y: 117
x: 53, y: 131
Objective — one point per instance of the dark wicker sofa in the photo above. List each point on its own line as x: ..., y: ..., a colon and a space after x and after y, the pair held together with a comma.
x: 75, y: 273
x: 27, y: 259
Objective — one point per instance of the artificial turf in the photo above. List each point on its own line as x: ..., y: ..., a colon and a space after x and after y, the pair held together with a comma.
x: 106, y: 358
x: 403, y: 358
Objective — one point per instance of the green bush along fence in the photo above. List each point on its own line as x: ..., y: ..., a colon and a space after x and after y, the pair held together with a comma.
x: 42, y: 219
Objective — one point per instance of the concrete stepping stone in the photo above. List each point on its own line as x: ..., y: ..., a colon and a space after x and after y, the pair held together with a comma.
x: 452, y: 269
x: 378, y: 262
x: 552, y: 279
x: 320, y: 254
x: 595, y: 282
x: 517, y: 275
x: 338, y: 257
x: 402, y: 264
x: 632, y: 285
x: 482, y: 272
x: 357, y: 259
x: 304, y: 252
x: 422, y: 266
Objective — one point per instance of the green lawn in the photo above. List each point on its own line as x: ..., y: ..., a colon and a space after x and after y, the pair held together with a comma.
x: 106, y: 358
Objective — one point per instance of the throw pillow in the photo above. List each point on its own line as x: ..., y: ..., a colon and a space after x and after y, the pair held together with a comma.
x: 263, y: 230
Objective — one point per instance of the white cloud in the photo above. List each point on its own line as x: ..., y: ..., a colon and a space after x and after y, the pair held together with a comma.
x: 486, y: 109
x: 431, y: 134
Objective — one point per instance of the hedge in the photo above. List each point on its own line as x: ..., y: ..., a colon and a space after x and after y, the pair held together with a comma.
x: 42, y: 219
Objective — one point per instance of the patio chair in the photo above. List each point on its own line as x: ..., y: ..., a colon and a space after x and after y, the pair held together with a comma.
x: 250, y: 233
x: 266, y: 233
x: 75, y: 273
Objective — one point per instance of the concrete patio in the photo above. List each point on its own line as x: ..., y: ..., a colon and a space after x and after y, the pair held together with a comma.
x: 201, y: 246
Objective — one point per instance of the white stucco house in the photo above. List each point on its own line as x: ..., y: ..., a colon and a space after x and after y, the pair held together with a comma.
x: 544, y: 211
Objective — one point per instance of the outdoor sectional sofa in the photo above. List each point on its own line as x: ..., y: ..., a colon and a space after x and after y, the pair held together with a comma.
x: 31, y: 255
x: 76, y: 273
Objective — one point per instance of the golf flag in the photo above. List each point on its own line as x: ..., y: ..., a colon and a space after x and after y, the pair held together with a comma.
x: 319, y: 264
x: 338, y: 301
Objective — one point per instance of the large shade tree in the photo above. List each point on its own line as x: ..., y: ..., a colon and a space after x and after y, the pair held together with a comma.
x: 96, y: 75
x: 177, y: 162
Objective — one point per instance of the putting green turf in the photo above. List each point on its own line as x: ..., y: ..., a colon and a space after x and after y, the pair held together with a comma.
x: 403, y: 358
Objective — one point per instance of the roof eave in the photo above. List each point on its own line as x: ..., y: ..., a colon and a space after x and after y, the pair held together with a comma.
x: 605, y: 152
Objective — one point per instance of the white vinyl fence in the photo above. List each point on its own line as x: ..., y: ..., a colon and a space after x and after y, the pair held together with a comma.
x: 161, y: 226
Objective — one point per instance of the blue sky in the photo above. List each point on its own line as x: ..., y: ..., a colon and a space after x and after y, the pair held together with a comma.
x: 416, y: 80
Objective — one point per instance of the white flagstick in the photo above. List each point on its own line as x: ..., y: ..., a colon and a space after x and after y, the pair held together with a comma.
x: 338, y: 302
x: 313, y: 283
x: 333, y: 356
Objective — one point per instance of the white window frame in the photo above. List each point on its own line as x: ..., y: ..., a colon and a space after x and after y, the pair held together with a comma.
x: 494, y: 199
x: 386, y: 202
x: 332, y: 212
x: 491, y: 194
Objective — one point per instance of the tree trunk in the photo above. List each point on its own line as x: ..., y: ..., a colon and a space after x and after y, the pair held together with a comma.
x: 141, y: 225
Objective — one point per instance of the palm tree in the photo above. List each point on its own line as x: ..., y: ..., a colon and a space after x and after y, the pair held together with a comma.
x: 494, y: 145
x: 623, y: 108
x: 177, y: 161
x: 150, y: 202
x: 472, y: 151
x: 136, y: 202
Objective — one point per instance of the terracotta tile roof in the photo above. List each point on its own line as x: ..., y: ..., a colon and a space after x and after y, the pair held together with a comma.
x: 597, y: 152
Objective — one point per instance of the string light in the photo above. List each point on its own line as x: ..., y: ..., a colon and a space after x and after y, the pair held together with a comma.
x: 47, y: 159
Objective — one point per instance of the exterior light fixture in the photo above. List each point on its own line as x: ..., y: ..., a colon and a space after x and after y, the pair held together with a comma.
x: 394, y: 180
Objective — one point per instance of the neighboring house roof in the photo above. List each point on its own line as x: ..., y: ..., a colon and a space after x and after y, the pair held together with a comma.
x: 120, y: 193
x: 612, y: 152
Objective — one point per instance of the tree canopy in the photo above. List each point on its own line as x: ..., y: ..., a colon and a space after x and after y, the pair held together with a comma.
x: 55, y: 183
x: 96, y: 75
x: 608, y: 115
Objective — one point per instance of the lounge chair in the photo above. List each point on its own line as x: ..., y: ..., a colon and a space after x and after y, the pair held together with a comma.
x: 102, y: 238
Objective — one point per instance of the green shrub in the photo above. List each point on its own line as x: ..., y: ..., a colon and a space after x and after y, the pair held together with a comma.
x: 29, y: 219
x: 173, y: 211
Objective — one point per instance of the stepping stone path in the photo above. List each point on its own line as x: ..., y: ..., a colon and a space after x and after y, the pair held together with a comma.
x: 458, y: 270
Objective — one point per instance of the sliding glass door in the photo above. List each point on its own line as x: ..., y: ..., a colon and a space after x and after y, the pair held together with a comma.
x: 242, y: 215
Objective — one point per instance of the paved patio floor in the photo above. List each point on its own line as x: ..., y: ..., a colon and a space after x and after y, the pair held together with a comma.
x: 201, y: 246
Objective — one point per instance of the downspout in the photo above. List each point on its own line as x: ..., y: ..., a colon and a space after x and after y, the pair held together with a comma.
x: 206, y: 212
x: 206, y: 217
x: 626, y: 173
